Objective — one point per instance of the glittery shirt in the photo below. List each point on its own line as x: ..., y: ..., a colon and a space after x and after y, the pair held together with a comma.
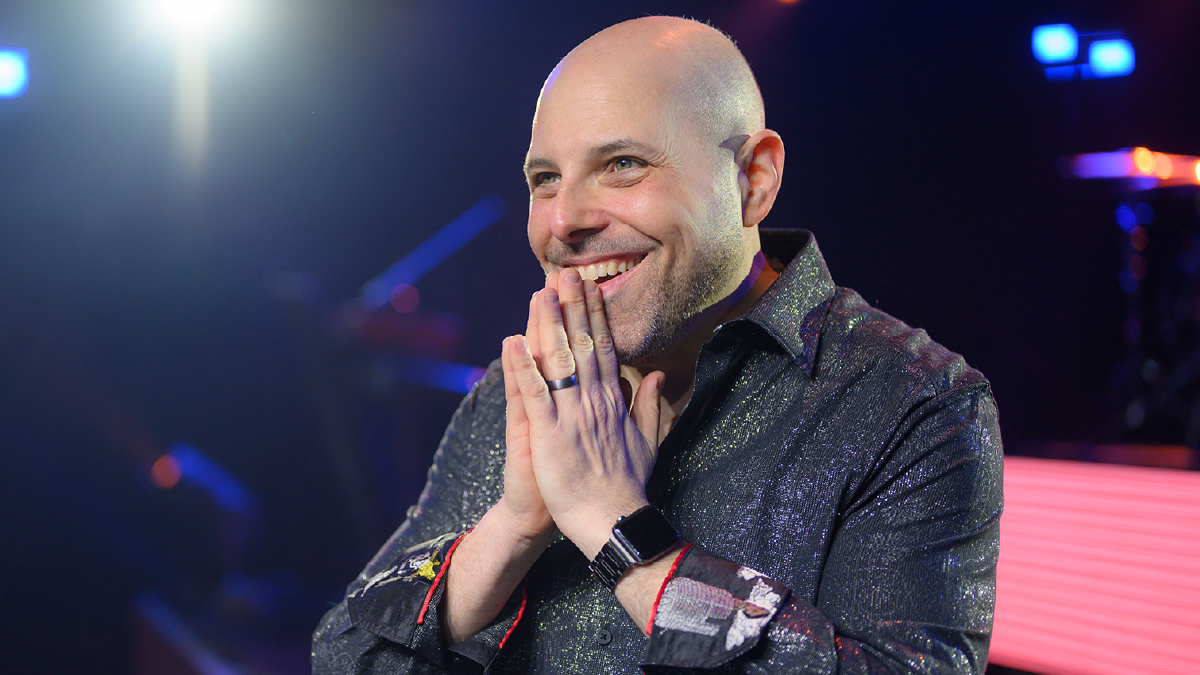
x: 838, y: 472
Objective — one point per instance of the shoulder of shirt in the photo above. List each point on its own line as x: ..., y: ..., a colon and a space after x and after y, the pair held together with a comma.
x: 860, y: 338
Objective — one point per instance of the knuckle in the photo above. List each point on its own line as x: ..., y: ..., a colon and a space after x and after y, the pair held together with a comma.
x: 604, y: 343
x: 562, y: 359
x: 582, y: 341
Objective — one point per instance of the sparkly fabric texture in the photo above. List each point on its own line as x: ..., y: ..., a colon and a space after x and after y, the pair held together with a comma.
x: 848, y: 459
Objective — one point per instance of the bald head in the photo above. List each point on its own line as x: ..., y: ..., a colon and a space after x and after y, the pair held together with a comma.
x: 648, y: 154
x: 696, y: 70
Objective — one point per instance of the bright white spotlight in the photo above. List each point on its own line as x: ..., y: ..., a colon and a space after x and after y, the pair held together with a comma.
x: 14, y: 72
x: 195, y: 18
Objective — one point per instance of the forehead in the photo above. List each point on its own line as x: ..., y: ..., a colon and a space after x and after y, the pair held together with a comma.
x: 584, y: 108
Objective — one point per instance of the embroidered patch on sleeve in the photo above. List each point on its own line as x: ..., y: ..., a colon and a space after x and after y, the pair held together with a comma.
x: 423, y: 564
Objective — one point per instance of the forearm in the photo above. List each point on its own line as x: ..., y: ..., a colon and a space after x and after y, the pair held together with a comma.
x: 487, y: 567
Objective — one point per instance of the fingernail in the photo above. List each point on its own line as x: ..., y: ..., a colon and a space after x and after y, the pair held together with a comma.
x: 519, y: 343
x: 571, y: 276
x: 590, y: 287
x: 551, y: 296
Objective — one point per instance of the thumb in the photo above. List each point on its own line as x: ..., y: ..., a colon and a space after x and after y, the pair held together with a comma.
x: 647, y: 407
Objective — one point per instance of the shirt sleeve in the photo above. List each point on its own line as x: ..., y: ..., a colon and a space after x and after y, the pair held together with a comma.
x: 388, y: 620
x: 908, y: 584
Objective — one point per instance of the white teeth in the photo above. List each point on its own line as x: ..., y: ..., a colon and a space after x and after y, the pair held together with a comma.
x: 605, y: 269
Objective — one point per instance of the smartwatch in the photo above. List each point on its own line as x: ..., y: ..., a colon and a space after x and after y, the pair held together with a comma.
x: 641, y: 537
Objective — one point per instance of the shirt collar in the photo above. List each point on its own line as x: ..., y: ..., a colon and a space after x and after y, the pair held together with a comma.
x: 793, y: 308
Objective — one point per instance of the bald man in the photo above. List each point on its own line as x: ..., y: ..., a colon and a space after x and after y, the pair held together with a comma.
x: 701, y: 454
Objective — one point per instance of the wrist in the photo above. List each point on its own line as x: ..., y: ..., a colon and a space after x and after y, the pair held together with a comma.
x: 591, y: 530
x: 519, y: 533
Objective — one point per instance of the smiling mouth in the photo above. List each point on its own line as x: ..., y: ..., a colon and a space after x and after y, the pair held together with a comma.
x: 605, y: 270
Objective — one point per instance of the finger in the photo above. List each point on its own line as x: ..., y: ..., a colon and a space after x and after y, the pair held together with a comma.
x: 531, y: 329
x: 535, y: 395
x: 579, y: 335
x: 605, y: 351
x: 515, y: 412
x: 647, y: 408
x: 556, y: 361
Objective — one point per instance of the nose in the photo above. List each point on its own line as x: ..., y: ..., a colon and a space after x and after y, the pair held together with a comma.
x: 576, y: 214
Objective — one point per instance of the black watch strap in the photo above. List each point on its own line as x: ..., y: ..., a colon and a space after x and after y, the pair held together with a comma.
x: 641, y: 537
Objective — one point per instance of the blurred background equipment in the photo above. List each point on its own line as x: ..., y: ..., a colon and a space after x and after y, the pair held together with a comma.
x: 254, y: 252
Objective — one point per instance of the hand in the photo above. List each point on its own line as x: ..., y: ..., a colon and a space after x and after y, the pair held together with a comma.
x: 522, y: 508
x: 591, y: 456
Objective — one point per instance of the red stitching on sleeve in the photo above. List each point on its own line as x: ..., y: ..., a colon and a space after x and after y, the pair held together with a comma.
x: 658, y: 598
x: 520, y: 613
x: 437, y: 579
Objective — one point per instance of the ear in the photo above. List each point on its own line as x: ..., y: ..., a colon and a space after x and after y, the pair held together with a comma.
x: 761, y: 162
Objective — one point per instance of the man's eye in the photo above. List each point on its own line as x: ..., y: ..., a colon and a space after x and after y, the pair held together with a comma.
x: 544, y: 179
x: 625, y: 164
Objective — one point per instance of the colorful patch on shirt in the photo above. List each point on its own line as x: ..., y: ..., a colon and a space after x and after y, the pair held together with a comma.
x: 423, y: 565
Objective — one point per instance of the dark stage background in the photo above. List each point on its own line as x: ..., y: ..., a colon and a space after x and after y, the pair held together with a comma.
x: 146, y: 309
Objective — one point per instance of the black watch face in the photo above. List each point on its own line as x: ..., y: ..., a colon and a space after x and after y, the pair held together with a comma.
x: 648, y: 532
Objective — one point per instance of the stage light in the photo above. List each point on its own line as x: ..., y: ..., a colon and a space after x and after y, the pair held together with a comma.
x: 1197, y: 172
x: 453, y: 236
x: 1143, y: 159
x: 456, y: 378
x: 165, y: 473
x: 1163, y: 166
x: 1055, y: 43
x: 1110, y: 58
x: 194, y: 18
x: 405, y: 299
x: 14, y: 72
x: 1126, y: 217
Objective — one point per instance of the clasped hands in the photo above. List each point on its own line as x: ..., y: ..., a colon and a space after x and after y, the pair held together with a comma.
x: 578, y: 457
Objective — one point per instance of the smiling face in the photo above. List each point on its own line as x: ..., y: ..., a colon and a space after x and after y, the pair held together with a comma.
x: 630, y: 187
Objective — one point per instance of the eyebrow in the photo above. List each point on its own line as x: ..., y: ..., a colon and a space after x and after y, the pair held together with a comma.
x: 596, y: 152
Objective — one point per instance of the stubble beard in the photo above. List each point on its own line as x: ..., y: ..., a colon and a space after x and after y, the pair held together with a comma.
x: 673, y: 313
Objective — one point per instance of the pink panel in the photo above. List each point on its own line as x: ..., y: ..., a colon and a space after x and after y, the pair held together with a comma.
x: 1099, y: 569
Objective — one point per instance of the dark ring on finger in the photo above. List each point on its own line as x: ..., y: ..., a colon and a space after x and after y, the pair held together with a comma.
x: 562, y: 383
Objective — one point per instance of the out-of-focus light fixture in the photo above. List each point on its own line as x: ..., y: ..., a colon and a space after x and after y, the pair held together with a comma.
x: 1138, y: 168
x: 1110, y: 58
x: 1057, y: 46
x: 14, y: 72
x: 194, y: 18
x: 1055, y: 43
x: 193, y: 24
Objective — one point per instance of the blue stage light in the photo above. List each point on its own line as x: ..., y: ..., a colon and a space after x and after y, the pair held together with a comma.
x: 14, y: 72
x: 226, y: 490
x: 1110, y: 58
x: 1055, y: 43
x: 378, y: 292
x: 456, y: 378
x: 1126, y: 217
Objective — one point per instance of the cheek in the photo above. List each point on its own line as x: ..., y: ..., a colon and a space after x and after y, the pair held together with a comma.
x: 654, y: 210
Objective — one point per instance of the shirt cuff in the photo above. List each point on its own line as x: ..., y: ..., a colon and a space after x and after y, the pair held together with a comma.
x: 400, y: 604
x: 710, y: 612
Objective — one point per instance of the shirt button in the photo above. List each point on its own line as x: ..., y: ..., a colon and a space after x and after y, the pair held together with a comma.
x: 603, y: 637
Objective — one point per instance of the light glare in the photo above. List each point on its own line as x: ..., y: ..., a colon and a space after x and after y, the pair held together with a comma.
x: 1055, y: 43
x: 14, y: 72
x: 1110, y: 58
x: 195, y: 18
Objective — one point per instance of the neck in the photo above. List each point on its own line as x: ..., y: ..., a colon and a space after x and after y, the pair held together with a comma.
x: 679, y: 365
